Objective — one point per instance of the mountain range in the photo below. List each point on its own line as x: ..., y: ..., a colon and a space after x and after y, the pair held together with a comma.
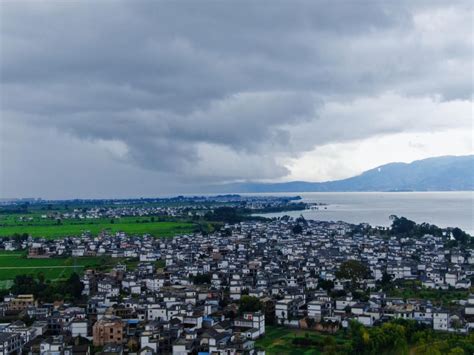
x: 446, y: 173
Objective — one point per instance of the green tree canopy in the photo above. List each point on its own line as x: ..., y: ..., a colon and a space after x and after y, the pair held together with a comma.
x: 353, y: 270
x: 249, y: 304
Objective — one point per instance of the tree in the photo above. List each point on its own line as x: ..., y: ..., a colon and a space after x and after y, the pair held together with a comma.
x: 297, y: 229
x: 353, y: 270
x: 456, y: 351
x: 302, y: 220
x: 460, y: 236
x: 402, y: 225
x: 24, y: 284
x: 41, y: 277
x: 20, y: 237
x: 327, y: 285
x: 224, y: 214
x: 386, y: 280
x: 310, y: 322
x: 74, y: 286
x: 249, y: 304
x: 200, y: 279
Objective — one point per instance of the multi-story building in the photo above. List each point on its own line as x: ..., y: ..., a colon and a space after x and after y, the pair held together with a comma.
x: 108, y: 330
x: 440, y: 320
x: 10, y: 343
x: 20, y: 302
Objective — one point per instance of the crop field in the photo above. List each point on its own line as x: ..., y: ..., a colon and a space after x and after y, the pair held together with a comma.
x: 38, y: 227
x: 52, y: 269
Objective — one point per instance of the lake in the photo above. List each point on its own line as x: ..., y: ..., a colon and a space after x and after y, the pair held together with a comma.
x: 444, y: 209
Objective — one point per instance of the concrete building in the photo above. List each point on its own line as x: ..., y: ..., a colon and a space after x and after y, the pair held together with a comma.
x: 108, y: 330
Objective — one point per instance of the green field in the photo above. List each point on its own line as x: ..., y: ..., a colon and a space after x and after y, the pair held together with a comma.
x: 279, y: 340
x: 52, y: 268
x: 10, y: 225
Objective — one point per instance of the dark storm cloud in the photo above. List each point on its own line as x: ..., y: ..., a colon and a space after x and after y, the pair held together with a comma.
x: 187, y: 86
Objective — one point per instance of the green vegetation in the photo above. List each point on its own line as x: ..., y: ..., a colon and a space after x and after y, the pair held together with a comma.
x: 236, y: 215
x: 403, y: 227
x: 353, y: 270
x: 226, y: 215
x: 407, y: 337
x: 392, y: 338
x: 10, y: 226
x: 278, y: 340
x: 297, y: 229
x: 295, y: 206
x: 413, y: 289
x: 52, y: 269
x: 44, y: 219
x: 201, y: 279
x: 160, y: 264
x: 69, y: 289
x: 250, y: 304
x: 55, y: 270
x: 460, y: 239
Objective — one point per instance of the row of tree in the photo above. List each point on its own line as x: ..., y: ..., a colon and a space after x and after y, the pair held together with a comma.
x: 407, y: 337
x: 46, y: 291
x: 455, y: 237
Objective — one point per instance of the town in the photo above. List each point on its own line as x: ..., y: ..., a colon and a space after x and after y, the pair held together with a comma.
x: 180, y: 206
x: 218, y: 292
x: 236, y: 177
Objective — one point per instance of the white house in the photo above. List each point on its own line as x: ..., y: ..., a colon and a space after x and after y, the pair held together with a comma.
x: 440, y: 320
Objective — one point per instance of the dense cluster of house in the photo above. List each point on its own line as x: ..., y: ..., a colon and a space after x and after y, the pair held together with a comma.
x: 112, y: 212
x: 195, y: 303
x: 169, y: 207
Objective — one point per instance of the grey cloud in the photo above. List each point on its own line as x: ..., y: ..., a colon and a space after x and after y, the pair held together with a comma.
x: 249, y: 79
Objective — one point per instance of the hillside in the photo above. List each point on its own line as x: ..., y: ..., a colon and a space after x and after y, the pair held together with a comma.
x: 447, y: 173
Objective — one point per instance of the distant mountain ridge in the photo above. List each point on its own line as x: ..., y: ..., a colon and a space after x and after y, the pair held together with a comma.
x: 446, y: 173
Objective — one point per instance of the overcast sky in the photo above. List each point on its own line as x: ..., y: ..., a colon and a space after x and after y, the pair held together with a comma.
x: 144, y: 98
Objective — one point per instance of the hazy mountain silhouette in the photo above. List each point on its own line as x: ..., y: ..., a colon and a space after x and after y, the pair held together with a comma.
x: 446, y: 173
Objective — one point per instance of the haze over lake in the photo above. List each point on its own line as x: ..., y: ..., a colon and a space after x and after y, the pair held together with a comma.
x: 445, y: 209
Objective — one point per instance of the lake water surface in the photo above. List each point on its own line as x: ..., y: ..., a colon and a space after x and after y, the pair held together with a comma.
x: 445, y: 209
